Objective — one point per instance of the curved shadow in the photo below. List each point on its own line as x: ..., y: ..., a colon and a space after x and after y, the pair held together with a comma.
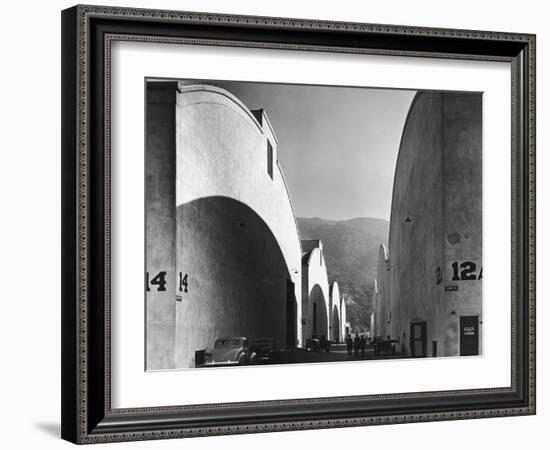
x: 238, y: 280
x: 335, y: 324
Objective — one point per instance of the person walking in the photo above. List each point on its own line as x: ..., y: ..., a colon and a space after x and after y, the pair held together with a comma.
x: 363, y: 346
x: 356, y: 345
x: 349, y: 345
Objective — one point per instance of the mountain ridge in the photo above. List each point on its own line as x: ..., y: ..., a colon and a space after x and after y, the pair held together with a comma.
x: 351, y: 252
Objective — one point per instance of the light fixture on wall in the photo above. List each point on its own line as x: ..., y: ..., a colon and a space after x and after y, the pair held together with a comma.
x: 409, y: 219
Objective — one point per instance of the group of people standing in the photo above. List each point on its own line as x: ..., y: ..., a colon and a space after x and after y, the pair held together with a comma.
x: 356, y: 346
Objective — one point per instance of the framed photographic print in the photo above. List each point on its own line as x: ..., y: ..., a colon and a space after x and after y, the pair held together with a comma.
x: 282, y: 224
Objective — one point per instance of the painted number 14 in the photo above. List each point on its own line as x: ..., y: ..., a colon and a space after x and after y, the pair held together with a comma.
x: 159, y: 280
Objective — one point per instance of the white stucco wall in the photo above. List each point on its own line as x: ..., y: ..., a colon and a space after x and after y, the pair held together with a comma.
x: 436, y: 221
x: 225, y: 154
x: 233, y: 228
x: 315, y: 289
x: 343, y: 318
x: 335, y: 323
x: 381, y: 308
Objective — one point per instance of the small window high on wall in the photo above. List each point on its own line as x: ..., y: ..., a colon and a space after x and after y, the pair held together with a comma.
x: 269, y: 159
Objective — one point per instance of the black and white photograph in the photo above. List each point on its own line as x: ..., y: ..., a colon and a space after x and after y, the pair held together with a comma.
x: 248, y: 225
x: 275, y: 222
x: 294, y: 223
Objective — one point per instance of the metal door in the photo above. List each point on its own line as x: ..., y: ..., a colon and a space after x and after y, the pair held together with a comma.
x: 469, y: 335
x: 418, y: 339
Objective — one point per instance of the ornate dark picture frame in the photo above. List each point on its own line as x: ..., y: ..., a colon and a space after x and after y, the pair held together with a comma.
x: 87, y: 34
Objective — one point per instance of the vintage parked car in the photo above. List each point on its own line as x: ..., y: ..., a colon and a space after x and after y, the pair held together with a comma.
x: 229, y: 351
x: 317, y: 343
x: 384, y: 346
x: 264, y: 351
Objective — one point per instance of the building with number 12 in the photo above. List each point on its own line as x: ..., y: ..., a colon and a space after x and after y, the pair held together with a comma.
x: 428, y: 292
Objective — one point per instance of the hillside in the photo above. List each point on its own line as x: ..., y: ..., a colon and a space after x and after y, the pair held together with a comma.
x: 351, y: 251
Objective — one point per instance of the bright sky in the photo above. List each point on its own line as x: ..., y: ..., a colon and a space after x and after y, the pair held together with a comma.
x: 337, y: 145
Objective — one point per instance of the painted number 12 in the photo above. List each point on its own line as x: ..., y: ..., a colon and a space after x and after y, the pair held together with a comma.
x: 467, y: 272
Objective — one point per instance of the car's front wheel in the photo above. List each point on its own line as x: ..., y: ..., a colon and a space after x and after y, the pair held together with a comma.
x: 242, y: 359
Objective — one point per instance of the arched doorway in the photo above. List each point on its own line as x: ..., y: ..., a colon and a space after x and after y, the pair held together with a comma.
x: 238, y: 280
x: 335, y: 325
x: 319, y: 311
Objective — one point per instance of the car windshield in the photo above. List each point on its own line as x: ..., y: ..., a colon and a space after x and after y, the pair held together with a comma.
x: 229, y: 343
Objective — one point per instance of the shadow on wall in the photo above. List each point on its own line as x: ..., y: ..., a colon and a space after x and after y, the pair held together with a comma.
x: 335, y: 325
x: 238, y: 283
